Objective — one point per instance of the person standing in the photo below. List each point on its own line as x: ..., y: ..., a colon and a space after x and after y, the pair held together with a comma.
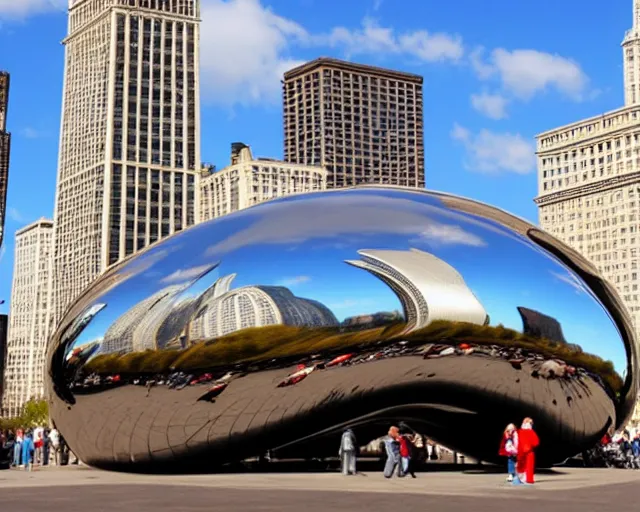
x: 38, y: 443
x: 46, y: 447
x: 54, y: 438
x: 17, y: 449
x: 28, y: 451
x: 406, y: 455
x: 509, y: 449
x: 392, y: 448
x: 347, y: 452
x: 528, y: 441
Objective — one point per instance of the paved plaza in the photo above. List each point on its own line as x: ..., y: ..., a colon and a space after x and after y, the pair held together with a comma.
x: 80, y: 489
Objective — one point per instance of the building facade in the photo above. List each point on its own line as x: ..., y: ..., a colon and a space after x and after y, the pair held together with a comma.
x: 28, y: 327
x: 248, y: 181
x: 589, y: 183
x: 5, y: 148
x: 129, y: 143
x: 363, y: 124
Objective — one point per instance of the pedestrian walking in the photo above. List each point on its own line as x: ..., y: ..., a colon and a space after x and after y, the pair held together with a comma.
x: 392, y: 447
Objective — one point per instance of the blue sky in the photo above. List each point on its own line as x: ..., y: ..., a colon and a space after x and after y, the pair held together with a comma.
x: 496, y: 73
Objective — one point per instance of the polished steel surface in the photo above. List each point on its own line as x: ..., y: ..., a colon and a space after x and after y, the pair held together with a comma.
x: 274, y: 328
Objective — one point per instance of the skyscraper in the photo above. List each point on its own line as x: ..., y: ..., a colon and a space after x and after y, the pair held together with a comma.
x: 362, y: 123
x: 129, y: 143
x: 28, y: 327
x: 5, y: 148
x: 249, y: 181
x: 589, y: 183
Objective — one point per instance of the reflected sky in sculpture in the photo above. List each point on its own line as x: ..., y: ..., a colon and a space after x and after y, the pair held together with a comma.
x: 308, y: 256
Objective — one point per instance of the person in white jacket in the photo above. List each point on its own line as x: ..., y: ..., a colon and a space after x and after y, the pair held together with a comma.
x: 348, y: 452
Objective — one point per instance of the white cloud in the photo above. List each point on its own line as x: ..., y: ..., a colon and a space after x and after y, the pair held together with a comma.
x: 571, y: 280
x: 493, y: 153
x: 322, y: 221
x: 243, y: 51
x: 448, y: 234
x: 373, y: 39
x: 19, y: 9
x: 460, y: 133
x: 246, y: 48
x: 185, y: 275
x: 525, y: 73
x: 32, y: 133
x: 294, y: 281
x: 493, y: 106
x: 15, y: 215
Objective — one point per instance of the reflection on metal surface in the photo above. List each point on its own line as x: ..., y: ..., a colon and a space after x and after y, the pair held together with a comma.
x: 276, y: 327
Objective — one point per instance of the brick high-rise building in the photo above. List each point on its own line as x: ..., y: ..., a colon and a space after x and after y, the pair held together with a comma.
x: 363, y: 124
x: 29, y: 316
x: 130, y: 142
x: 5, y: 148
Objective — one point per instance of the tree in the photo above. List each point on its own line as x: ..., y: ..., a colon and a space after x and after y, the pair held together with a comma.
x: 35, y: 413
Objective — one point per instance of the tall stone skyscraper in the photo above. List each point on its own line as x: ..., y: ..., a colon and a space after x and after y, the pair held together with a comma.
x: 5, y: 148
x: 589, y: 184
x: 28, y: 320
x: 130, y: 141
x: 363, y: 124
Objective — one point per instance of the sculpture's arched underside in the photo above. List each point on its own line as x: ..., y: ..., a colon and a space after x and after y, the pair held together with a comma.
x: 274, y: 328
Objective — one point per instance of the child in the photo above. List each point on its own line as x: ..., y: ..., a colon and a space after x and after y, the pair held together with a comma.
x: 509, y: 449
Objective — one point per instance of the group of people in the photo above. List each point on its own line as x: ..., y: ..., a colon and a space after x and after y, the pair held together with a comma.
x: 26, y: 447
x: 519, y: 446
x: 401, y: 447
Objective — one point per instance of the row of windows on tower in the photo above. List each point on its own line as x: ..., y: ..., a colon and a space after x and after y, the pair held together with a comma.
x: 160, y: 127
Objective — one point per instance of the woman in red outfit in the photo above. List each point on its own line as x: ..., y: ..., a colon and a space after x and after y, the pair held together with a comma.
x: 528, y: 441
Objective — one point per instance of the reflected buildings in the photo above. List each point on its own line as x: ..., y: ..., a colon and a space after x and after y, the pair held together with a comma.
x: 224, y: 373
x: 129, y: 143
x: 28, y: 324
x: 257, y: 306
x: 540, y: 325
x: 428, y: 288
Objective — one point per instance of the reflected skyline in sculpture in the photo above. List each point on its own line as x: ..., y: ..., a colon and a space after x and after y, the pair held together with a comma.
x: 376, y: 276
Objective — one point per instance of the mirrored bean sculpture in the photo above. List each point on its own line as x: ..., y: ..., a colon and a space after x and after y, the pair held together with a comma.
x: 273, y: 329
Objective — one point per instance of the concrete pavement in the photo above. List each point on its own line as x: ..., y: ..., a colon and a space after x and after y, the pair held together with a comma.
x: 465, y: 483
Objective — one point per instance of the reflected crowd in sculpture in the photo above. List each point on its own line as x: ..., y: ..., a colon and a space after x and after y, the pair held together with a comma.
x: 277, y: 327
